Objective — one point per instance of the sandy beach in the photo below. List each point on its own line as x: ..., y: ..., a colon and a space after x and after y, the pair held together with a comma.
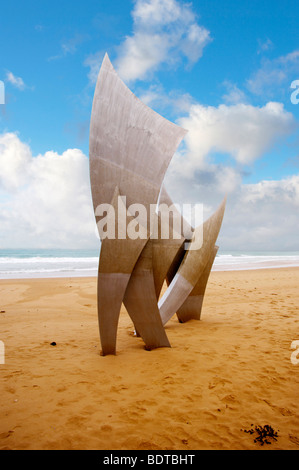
x: 228, y: 372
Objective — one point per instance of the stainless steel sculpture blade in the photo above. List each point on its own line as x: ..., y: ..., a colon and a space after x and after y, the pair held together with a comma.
x: 192, y: 306
x: 130, y: 148
x: 141, y: 302
x: 146, y: 282
x: 192, y: 267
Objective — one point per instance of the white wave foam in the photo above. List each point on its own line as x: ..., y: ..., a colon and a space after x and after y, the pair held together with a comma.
x: 42, y: 260
x: 71, y: 266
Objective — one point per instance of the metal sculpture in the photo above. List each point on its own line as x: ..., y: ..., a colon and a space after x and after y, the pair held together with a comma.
x: 130, y: 149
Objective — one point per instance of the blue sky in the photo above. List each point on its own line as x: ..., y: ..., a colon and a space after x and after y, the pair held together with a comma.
x: 221, y: 68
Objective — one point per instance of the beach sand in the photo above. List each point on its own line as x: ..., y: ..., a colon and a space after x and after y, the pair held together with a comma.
x: 228, y: 372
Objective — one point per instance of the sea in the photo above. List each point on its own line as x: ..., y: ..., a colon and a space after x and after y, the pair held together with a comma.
x: 47, y: 263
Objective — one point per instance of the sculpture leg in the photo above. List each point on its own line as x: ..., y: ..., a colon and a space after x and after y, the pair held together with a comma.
x: 175, y: 295
x: 192, y: 266
x: 191, y: 308
x: 111, y: 289
x: 141, y: 303
x: 117, y: 260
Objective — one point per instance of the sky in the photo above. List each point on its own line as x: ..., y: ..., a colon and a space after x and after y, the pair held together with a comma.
x: 225, y: 70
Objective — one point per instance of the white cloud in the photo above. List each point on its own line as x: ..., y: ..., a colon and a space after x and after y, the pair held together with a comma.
x: 233, y: 95
x: 142, y: 53
x: 15, y: 81
x: 261, y: 216
x: 94, y: 62
x: 243, y: 131
x: 70, y: 46
x: 282, y: 191
x: 45, y: 201
x: 156, y: 97
x: 195, y: 40
x: 274, y: 73
x: 157, y: 12
x: 264, y: 45
x: 164, y: 31
x: 15, y: 157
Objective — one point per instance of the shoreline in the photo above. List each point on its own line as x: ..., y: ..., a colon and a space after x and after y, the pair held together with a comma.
x: 35, y: 264
x: 230, y: 371
x: 70, y: 275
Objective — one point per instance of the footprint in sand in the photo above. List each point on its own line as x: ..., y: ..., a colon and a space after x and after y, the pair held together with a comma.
x: 106, y: 428
x: 229, y: 399
x: 282, y: 411
x: 218, y: 381
x: 5, y: 435
x: 294, y: 439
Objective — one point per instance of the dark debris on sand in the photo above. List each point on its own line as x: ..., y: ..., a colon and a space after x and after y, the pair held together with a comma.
x: 264, y: 434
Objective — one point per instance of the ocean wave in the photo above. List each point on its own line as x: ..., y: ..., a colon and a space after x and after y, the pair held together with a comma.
x: 41, y: 259
x: 60, y: 266
x: 255, y: 258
